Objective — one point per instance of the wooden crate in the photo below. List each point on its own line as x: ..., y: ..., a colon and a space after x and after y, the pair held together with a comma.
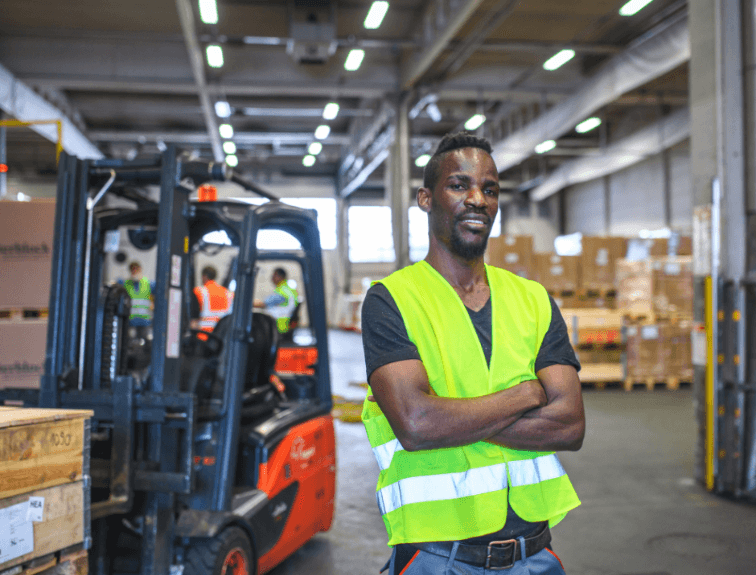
x: 40, y: 523
x: 41, y: 448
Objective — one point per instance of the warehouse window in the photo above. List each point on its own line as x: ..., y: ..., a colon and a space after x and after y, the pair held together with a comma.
x: 418, y: 232
x: 370, y: 234
x: 278, y: 240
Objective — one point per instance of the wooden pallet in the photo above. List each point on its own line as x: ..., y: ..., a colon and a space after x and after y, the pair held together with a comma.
x: 67, y: 562
x: 597, y: 293
x: 23, y: 314
x: 650, y: 383
x: 601, y: 375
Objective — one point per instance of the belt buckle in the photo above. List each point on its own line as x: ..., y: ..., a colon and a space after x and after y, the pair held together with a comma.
x: 489, y: 552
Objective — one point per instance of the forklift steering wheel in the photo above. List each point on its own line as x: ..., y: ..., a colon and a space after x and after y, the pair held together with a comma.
x: 205, y: 343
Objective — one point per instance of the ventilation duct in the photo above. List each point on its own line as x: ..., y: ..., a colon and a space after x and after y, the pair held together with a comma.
x: 663, y: 49
x: 643, y: 144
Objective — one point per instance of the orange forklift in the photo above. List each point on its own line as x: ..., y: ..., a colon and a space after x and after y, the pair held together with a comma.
x: 206, y: 458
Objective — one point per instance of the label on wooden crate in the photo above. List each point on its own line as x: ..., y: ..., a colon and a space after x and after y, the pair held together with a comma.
x: 16, y: 532
x: 36, y: 512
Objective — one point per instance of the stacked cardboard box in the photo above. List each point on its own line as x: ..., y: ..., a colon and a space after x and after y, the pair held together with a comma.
x: 658, y: 353
x: 26, y: 261
x: 513, y: 253
x: 597, y: 261
x: 44, y: 493
x: 658, y: 287
x: 558, y: 274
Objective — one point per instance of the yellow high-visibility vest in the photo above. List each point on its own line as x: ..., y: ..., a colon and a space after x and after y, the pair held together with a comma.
x: 455, y: 493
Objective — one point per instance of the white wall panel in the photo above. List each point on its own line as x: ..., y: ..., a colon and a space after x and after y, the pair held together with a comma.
x: 584, y: 208
x: 637, y: 198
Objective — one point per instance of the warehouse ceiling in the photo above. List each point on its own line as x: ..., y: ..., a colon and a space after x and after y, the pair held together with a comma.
x: 133, y: 77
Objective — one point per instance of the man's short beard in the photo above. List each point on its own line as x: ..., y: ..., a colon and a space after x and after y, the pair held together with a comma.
x: 465, y: 250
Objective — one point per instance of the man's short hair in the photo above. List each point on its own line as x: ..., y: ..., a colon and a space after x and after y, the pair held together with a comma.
x: 449, y: 143
x: 134, y: 265
x: 210, y: 272
x: 281, y: 272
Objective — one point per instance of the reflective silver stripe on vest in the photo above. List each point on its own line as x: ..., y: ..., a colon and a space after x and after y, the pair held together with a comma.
x: 385, y: 453
x: 530, y: 471
x: 441, y: 487
x: 465, y: 483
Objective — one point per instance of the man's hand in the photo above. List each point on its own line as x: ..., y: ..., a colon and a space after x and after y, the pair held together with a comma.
x: 559, y: 425
x: 422, y: 420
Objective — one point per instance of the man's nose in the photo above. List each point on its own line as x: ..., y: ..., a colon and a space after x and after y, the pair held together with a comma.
x: 475, y: 196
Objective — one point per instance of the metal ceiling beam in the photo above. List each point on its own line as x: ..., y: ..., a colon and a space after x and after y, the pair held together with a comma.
x: 202, y: 138
x: 439, y: 37
x: 262, y: 89
x: 654, y: 54
x: 22, y: 103
x: 120, y: 37
x: 196, y: 60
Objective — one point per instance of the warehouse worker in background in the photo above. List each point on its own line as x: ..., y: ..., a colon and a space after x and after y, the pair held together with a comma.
x: 215, y: 301
x: 282, y: 303
x: 473, y: 387
x: 140, y: 291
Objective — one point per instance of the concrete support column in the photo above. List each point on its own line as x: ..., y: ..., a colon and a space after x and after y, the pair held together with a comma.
x: 400, y: 183
x: 342, y: 245
x: 718, y: 97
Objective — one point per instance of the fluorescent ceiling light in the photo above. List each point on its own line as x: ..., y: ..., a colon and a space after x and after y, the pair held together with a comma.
x: 375, y: 14
x: 544, y: 147
x: 214, y: 56
x: 322, y: 131
x: 475, y: 122
x: 222, y: 109
x: 226, y: 131
x: 208, y: 11
x: 587, y: 125
x: 558, y: 60
x: 433, y: 111
x: 308, y: 160
x: 354, y: 59
x: 423, y: 160
x: 232, y: 160
x: 633, y: 7
x: 229, y: 147
x: 330, y: 111
x: 315, y: 148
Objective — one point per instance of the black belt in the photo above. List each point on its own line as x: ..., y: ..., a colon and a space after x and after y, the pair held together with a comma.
x: 495, y: 554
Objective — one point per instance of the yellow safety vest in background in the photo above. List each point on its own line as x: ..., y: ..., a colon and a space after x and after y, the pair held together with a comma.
x: 141, y: 305
x: 455, y: 493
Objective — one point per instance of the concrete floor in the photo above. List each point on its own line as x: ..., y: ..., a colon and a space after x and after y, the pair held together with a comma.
x: 642, y: 512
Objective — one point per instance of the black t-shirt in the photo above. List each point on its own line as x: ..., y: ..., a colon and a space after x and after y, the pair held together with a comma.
x: 385, y: 340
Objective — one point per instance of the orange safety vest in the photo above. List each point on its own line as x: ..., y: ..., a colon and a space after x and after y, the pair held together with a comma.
x: 215, y: 302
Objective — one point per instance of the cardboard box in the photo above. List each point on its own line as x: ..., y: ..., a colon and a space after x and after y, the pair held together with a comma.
x: 660, y: 247
x: 659, y: 350
x: 26, y: 243
x: 597, y: 261
x: 41, y: 448
x: 22, y: 353
x: 41, y: 522
x: 557, y: 273
x: 512, y: 253
x: 655, y: 287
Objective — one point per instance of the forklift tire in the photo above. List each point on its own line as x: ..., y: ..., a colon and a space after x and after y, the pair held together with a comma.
x: 228, y: 553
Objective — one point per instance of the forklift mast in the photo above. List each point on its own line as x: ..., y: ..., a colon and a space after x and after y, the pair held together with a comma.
x: 151, y: 420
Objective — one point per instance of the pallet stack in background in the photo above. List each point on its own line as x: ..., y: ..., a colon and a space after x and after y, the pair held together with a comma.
x: 44, y: 491
x: 26, y: 261
x: 628, y: 305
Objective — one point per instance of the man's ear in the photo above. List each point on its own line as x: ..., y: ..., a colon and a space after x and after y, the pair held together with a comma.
x: 424, y: 198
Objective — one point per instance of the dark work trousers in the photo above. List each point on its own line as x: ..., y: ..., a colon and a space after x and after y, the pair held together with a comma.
x: 407, y: 560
